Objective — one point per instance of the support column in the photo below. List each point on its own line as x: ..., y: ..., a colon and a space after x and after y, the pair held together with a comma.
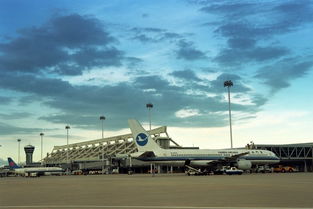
x: 159, y: 169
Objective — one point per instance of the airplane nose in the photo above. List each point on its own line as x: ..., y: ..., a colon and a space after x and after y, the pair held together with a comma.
x: 277, y: 159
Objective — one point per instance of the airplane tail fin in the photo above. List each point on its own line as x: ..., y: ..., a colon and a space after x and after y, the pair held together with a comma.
x: 12, y: 164
x: 143, y: 140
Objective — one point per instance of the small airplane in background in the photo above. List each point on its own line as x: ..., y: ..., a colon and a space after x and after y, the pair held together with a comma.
x: 34, y: 171
x: 150, y: 151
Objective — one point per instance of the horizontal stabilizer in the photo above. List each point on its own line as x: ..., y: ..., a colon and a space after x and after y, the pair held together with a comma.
x: 147, y: 154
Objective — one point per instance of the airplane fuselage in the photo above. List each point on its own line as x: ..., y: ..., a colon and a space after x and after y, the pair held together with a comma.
x: 38, y: 170
x: 201, y: 157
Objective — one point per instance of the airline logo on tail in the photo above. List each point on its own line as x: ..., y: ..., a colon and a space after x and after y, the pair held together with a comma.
x: 142, y: 139
x: 12, y: 164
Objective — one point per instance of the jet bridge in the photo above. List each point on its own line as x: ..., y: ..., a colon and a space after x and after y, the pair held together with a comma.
x: 101, y: 149
x: 299, y: 155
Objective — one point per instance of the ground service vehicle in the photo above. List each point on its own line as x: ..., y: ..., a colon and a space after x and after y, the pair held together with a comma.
x: 263, y: 169
x: 190, y: 171
x: 283, y: 169
x: 233, y: 171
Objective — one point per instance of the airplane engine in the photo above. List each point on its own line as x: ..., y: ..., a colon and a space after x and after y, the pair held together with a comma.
x: 244, y: 164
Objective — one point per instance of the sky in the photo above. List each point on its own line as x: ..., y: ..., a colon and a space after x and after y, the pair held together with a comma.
x: 67, y: 62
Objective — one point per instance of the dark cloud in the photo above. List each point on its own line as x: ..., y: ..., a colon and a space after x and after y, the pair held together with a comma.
x: 70, y: 69
x: 245, y: 24
x: 217, y: 85
x: 293, y: 14
x: 154, y: 35
x: 241, y: 30
x: 152, y: 82
x: 235, y: 56
x: 76, y: 31
x: 144, y: 38
x: 232, y: 10
x: 266, y: 53
x: 186, y: 75
x: 91, y: 57
x: 280, y: 74
x: 187, y: 51
x: 33, y: 84
x: 25, y: 100
x: 5, y: 100
x: 169, y: 36
x: 259, y: 100
x: 6, y: 129
x: 133, y: 61
x: 241, y: 43
x: 15, y: 115
x: 81, y: 105
x: 240, y: 20
x: 83, y: 121
x: 147, y: 29
x: 28, y: 54
x: 65, y: 45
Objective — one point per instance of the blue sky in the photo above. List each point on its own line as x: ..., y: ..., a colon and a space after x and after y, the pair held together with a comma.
x: 68, y: 62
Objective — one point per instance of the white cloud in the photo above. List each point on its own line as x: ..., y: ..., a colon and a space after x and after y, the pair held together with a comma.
x: 185, y: 113
x: 100, y: 76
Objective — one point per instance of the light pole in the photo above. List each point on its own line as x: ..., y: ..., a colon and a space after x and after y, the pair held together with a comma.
x: 18, y: 154
x: 229, y: 84
x: 102, y: 118
x: 149, y: 106
x: 67, y: 128
x: 41, y: 142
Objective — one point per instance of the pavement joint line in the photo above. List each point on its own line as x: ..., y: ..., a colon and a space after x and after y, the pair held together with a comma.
x: 139, y: 206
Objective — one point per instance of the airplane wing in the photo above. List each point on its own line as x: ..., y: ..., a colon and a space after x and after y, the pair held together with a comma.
x: 227, y: 159
x: 146, y: 155
x: 235, y: 157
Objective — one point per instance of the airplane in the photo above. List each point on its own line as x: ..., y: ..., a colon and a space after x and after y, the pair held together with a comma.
x: 150, y: 151
x: 37, y: 171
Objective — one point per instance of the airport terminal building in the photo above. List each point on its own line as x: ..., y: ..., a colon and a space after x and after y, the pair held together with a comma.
x: 297, y: 155
x: 113, y: 152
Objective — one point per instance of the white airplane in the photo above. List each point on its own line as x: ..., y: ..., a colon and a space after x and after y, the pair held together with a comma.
x: 33, y: 170
x: 150, y: 151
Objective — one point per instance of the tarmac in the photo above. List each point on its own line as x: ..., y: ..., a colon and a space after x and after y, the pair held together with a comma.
x: 282, y: 190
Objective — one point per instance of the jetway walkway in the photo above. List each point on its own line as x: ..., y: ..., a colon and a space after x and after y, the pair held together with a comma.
x: 93, y: 150
x: 299, y: 155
